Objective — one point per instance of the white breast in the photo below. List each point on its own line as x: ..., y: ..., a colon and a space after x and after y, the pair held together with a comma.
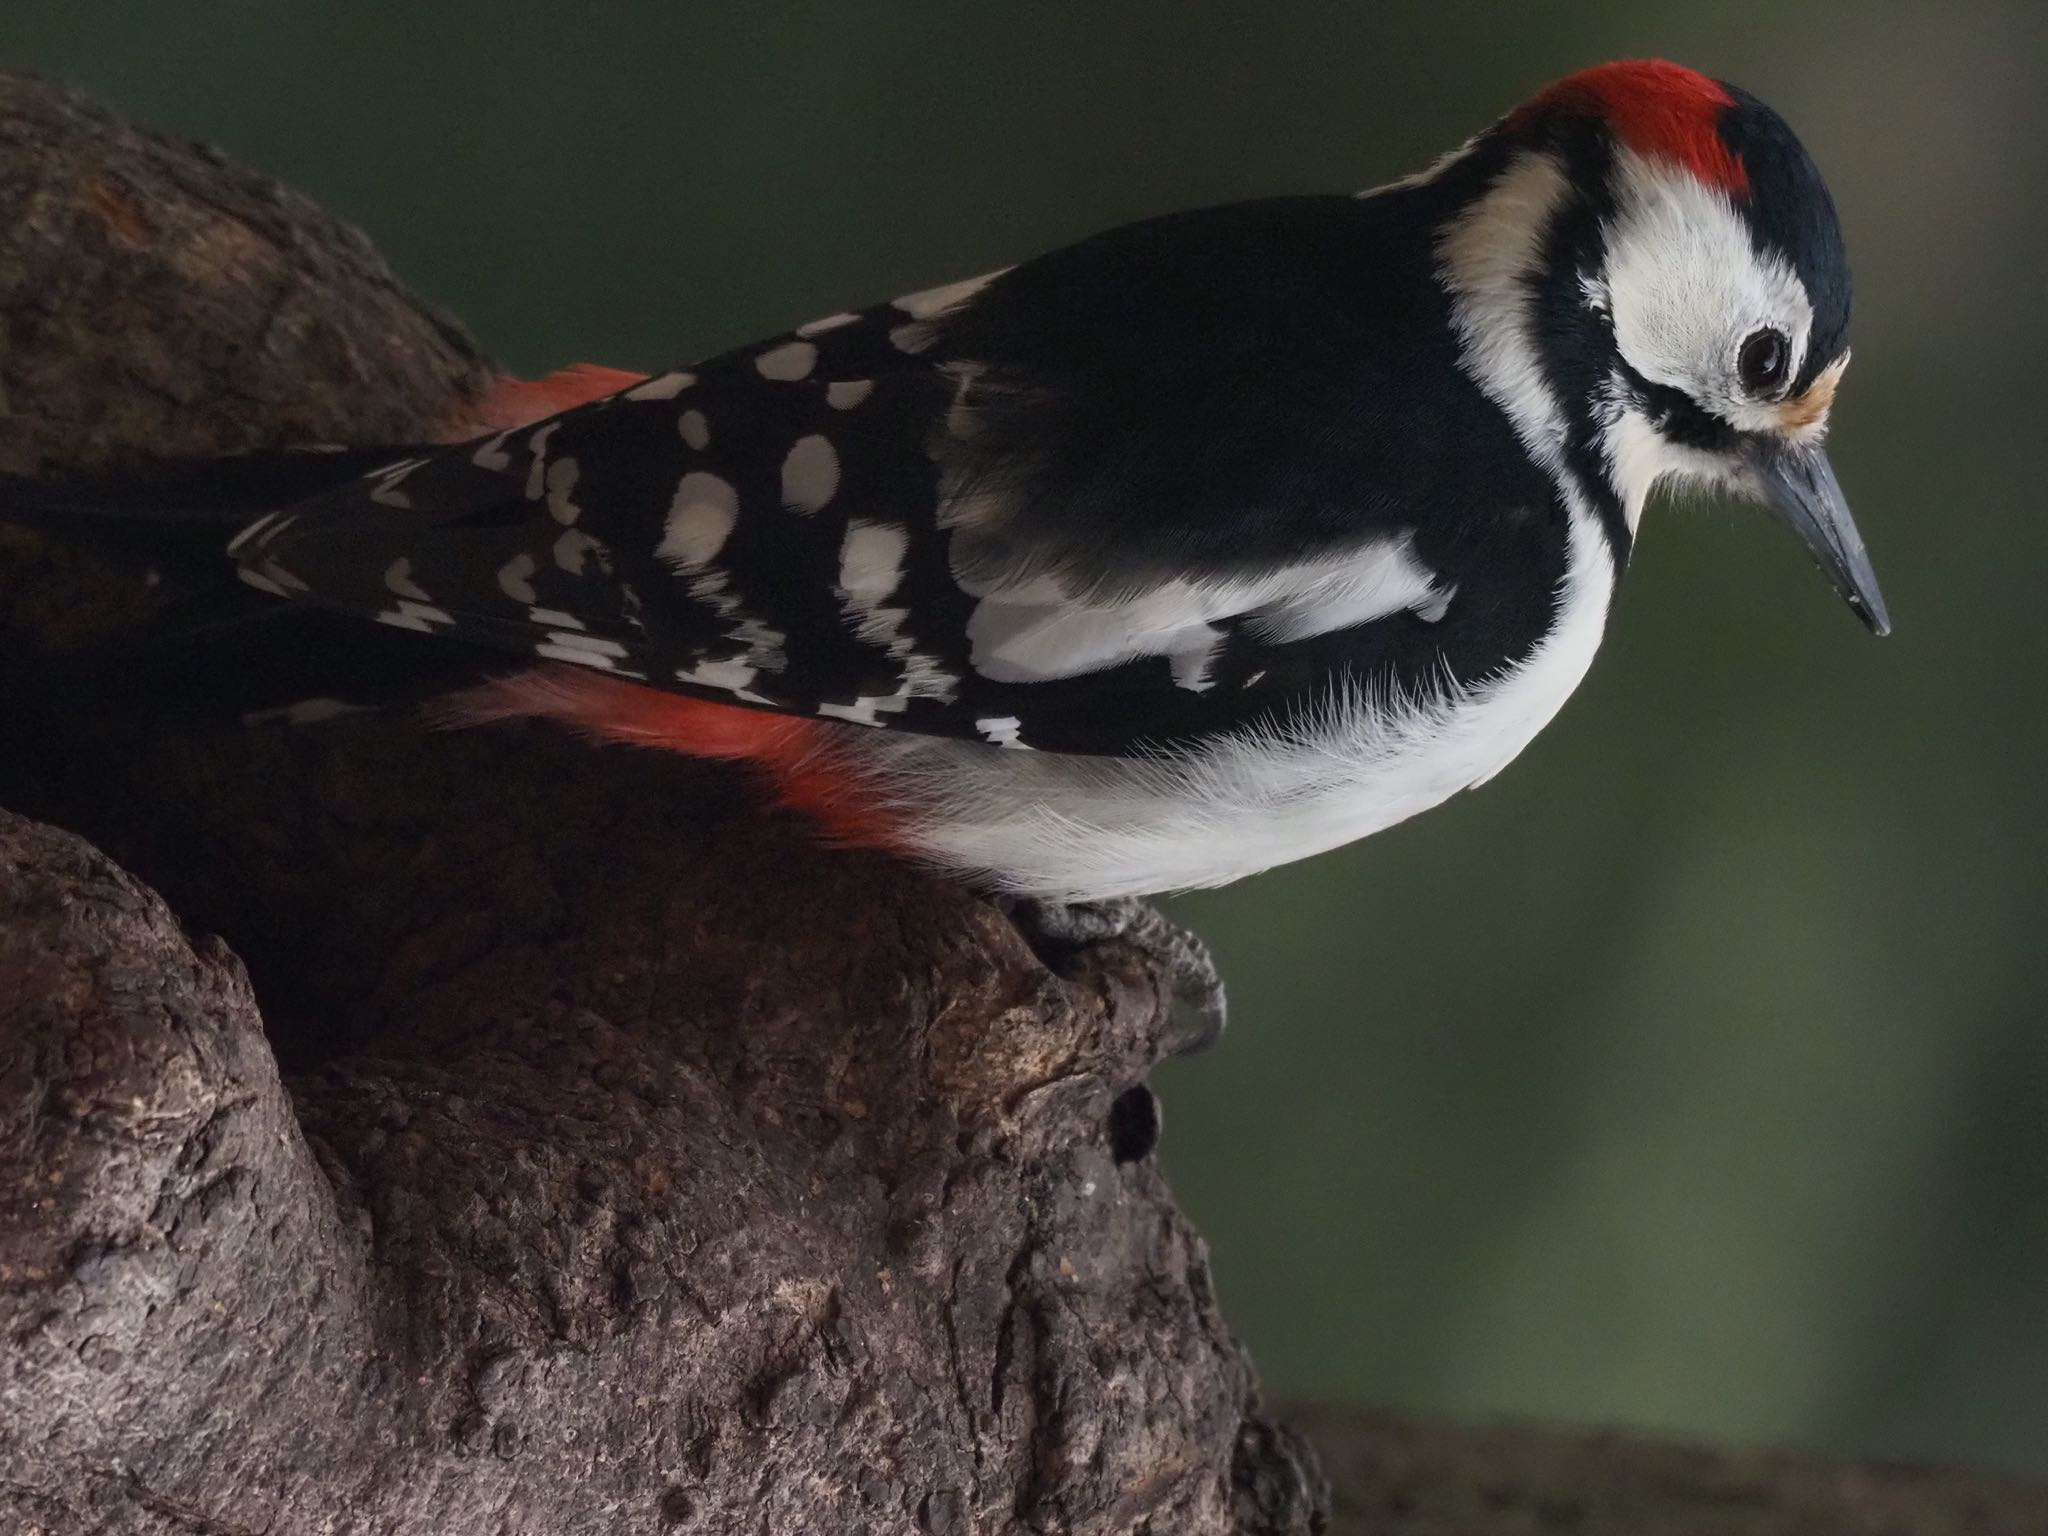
x: 1080, y: 828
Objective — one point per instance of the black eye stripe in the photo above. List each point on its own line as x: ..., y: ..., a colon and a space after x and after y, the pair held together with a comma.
x: 1678, y: 418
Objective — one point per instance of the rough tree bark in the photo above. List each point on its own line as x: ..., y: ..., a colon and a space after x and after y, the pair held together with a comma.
x: 636, y: 1165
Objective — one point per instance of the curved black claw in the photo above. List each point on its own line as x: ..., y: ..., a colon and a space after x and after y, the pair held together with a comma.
x: 1183, y: 957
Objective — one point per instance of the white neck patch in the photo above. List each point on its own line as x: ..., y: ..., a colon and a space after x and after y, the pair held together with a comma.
x: 1486, y: 258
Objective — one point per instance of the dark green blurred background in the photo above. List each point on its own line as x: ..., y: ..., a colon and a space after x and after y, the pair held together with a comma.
x: 1693, y: 1074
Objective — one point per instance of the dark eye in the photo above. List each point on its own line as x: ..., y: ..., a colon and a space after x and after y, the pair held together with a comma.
x: 1763, y: 361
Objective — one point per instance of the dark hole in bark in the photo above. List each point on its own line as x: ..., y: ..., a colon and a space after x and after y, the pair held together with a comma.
x: 1134, y: 1123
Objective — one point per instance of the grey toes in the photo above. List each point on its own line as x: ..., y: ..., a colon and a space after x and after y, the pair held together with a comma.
x: 1184, y: 958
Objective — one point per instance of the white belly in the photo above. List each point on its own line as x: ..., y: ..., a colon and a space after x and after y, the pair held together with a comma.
x: 1082, y: 828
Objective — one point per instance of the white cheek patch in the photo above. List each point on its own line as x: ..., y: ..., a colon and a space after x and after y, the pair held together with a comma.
x: 1688, y: 286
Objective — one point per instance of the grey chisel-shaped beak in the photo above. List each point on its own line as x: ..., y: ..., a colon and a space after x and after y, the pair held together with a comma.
x: 1799, y: 486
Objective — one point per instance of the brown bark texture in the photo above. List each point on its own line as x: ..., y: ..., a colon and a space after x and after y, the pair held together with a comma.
x: 605, y: 1155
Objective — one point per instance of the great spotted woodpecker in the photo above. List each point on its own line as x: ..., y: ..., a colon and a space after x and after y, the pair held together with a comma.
x: 1202, y: 545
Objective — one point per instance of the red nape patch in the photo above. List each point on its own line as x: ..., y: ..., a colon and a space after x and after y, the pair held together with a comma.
x: 1657, y: 109
x: 808, y: 769
x: 510, y: 403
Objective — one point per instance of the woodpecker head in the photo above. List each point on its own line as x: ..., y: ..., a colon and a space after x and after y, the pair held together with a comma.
x: 1652, y: 282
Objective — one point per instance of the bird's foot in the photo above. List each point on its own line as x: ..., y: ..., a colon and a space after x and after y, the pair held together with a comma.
x: 1184, y: 959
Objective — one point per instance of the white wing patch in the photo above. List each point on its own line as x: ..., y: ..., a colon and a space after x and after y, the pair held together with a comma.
x: 584, y: 650
x: 933, y: 302
x: 929, y: 305
x: 1382, y: 579
x: 424, y: 617
x: 1036, y: 630
x: 398, y: 579
x: 515, y: 578
x: 789, y: 362
x: 573, y: 550
x: 810, y: 474
x: 699, y: 521
x: 735, y: 673
x: 826, y: 323
x: 871, y: 560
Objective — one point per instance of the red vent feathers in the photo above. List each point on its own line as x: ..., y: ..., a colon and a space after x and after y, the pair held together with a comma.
x: 1657, y: 109
x: 512, y: 403
x: 808, y: 770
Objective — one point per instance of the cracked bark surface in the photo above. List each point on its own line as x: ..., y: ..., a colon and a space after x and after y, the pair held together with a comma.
x: 590, y: 1257
x: 603, y: 1155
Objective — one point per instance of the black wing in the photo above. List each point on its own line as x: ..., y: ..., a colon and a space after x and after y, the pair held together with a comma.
x: 1096, y: 502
